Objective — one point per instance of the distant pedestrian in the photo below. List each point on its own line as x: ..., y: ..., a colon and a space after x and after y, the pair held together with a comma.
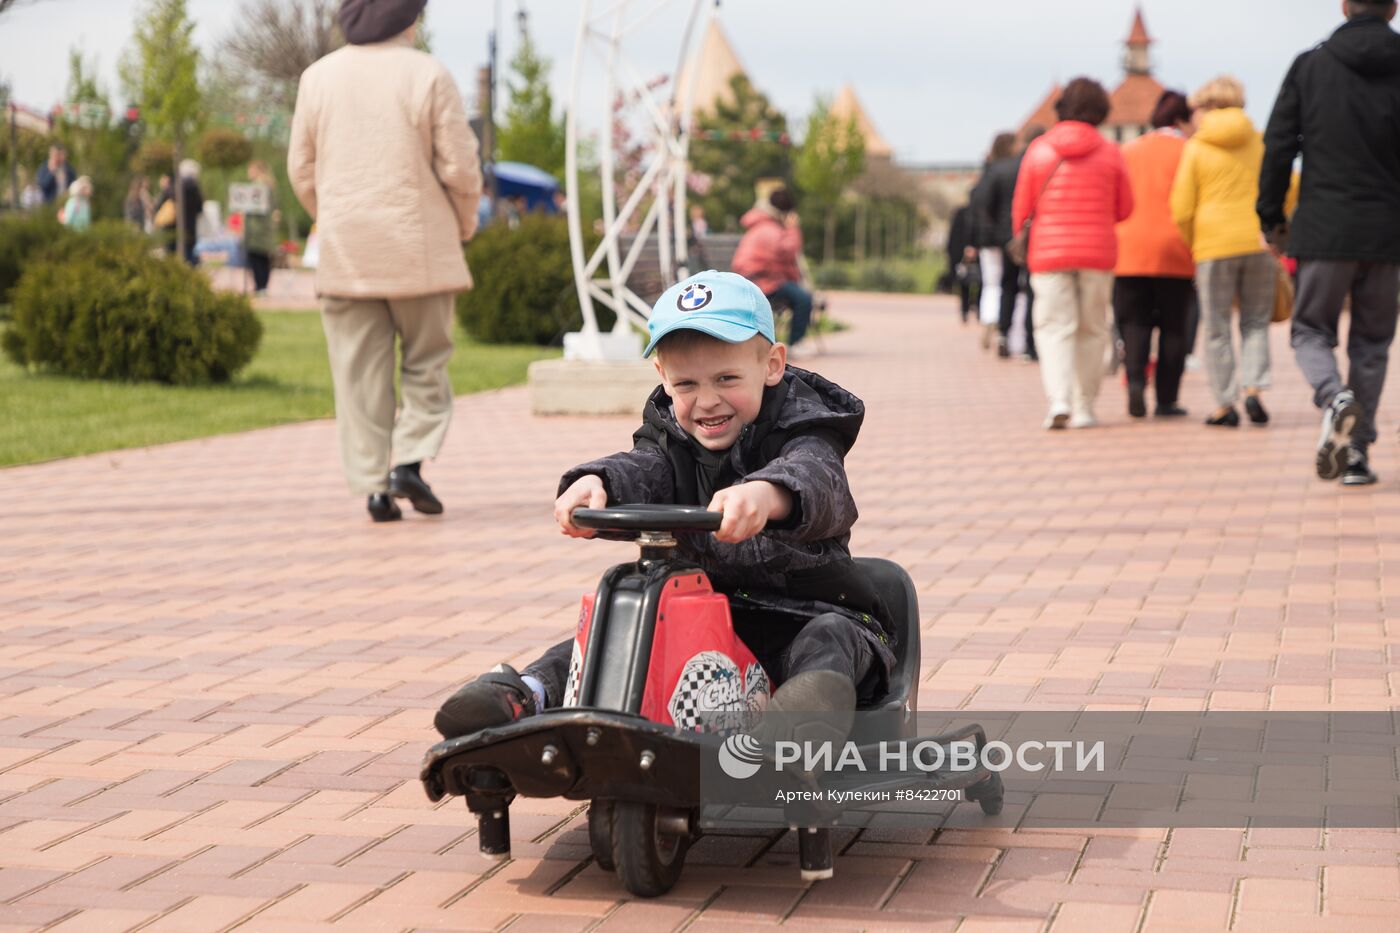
x: 989, y: 240
x: 1338, y: 107
x: 382, y: 157
x: 136, y: 209
x: 55, y: 176
x: 1213, y: 198
x: 77, y: 210
x: 1155, y: 270
x: 1072, y: 190
x: 192, y: 208
x: 259, y: 227
x: 962, y: 260
x: 1016, y: 294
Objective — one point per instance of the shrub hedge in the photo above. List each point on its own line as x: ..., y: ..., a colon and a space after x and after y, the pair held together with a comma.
x: 22, y: 235
x: 524, y: 284
x: 104, y: 307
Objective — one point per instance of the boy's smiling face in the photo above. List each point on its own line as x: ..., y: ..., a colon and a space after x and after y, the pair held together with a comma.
x: 717, y: 387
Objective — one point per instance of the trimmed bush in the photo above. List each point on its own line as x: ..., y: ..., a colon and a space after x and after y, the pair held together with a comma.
x: 831, y: 277
x: 105, y: 308
x: 22, y: 235
x: 524, y: 284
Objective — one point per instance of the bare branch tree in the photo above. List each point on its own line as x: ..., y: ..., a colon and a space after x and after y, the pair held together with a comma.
x: 275, y: 42
x: 7, y: 5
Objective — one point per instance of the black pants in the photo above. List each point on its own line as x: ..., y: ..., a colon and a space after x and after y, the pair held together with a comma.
x: 1323, y: 285
x: 1012, y: 277
x: 783, y: 644
x: 967, y: 293
x: 1141, y: 304
x: 260, y: 264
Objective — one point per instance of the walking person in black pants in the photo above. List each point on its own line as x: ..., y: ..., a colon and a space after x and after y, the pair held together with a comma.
x: 1153, y: 289
x: 1000, y: 185
x: 1338, y: 107
x: 962, y: 259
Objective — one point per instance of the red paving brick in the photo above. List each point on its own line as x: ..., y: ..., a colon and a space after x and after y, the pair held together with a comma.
x: 218, y: 677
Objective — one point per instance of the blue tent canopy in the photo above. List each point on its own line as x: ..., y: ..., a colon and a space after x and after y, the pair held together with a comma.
x: 535, y: 185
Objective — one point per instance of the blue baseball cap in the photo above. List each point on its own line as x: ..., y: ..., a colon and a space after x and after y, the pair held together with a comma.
x: 726, y: 306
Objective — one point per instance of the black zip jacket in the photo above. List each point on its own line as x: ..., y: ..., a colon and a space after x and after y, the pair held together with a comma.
x: 1340, y: 108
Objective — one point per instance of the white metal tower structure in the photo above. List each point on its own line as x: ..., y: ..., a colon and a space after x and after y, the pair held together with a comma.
x: 658, y: 110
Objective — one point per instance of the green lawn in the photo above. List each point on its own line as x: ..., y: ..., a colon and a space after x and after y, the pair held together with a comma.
x: 45, y: 417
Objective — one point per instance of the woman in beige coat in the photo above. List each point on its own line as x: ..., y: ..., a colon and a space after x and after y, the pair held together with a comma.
x: 382, y: 156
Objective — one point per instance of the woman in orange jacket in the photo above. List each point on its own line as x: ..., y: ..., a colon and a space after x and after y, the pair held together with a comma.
x: 1155, y: 269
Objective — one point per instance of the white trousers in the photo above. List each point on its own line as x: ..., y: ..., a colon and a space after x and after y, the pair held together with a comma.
x: 1071, y: 334
x: 989, y: 310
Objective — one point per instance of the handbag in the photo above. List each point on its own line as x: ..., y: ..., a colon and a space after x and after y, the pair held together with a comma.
x: 1283, y: 293
x: 1018, y: 248
x: 165, y: 217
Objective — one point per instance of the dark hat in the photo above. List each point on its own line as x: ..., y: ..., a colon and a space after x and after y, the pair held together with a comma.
x: 366, y: 21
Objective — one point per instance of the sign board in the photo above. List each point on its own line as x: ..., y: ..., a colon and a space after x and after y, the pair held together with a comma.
x: 247, y: 198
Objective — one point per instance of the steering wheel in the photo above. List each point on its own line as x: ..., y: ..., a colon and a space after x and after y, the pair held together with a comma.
x: 629, y: 520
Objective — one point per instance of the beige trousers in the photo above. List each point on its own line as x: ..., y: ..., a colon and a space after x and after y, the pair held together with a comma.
x: 1071, y: 334
x: 360, y: 341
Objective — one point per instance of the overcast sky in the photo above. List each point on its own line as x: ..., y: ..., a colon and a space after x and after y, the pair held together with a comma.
x: 938, y: 77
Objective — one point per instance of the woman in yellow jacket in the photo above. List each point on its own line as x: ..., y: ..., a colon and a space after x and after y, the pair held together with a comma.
x: 1212, y: 202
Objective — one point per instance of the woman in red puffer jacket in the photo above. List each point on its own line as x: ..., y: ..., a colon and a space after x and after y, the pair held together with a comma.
x: 1074, y: 188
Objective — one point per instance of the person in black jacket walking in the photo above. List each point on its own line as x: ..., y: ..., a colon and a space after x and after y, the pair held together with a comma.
x: 999, y: 186
x: 962, y: 258
x: 1340, y: 108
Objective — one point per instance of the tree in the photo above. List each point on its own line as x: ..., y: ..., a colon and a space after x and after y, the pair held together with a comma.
x: 530, y: 133
x: 831, y: 157
x: 274, y: 42
x: 98, y: 146
x: 742, y: 140
x: 161, y: 72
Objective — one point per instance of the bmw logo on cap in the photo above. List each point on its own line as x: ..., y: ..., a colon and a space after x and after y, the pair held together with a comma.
x: 695, y: 297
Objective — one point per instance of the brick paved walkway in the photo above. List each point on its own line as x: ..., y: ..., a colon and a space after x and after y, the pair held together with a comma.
x: 217, y: 675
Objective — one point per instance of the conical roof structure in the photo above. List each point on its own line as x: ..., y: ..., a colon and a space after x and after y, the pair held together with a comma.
x: 711, y: 69
x: 847, y: 107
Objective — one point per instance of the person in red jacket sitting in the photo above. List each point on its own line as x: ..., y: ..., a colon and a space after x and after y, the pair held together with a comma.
x: 768, y: 254
x: 1074, y: 186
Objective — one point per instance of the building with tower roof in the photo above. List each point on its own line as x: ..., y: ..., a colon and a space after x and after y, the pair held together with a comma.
x: 1130, y: 103
x: 847, y: 107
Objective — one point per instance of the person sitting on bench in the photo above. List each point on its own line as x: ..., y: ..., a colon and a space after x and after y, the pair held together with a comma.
x: 768, y: 255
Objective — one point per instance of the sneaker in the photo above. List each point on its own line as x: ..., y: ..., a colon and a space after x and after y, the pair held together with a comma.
x: 1338, y: 421
x: 1057, y: 420
x: 495, y: 698
x: 1003, y: 350
x: 1137, y: 405
x: 1170, y: 410
x: 1193, y: 362
x: 1083, y: 419
x: 1255, y: 409
x: 1358, y: 471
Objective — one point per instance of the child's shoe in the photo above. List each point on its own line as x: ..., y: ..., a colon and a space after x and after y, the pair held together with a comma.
x: 813, y: 707
x: 495, y: 698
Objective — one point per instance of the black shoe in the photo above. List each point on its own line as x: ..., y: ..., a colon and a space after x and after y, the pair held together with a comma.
x: 382, y: 508
x: 1255, y: 409
x: 495, y: 698
x: 1003, y: 350
x: 1358, y: 471
x: 1231, y: 419
x: 1338, y: 422
x: 405, y: 482
x: 1137, y: 406
x: 1172, y: 410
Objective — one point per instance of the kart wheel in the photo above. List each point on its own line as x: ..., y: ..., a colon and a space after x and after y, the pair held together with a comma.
x: 600, y: 833
x: 648, y: 861
x: 989, y: 794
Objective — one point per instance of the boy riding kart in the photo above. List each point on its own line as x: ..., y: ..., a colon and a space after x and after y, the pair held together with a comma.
x: 734, y: 429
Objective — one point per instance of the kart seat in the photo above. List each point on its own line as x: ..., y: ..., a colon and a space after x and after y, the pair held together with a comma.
x: 897, y: 590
